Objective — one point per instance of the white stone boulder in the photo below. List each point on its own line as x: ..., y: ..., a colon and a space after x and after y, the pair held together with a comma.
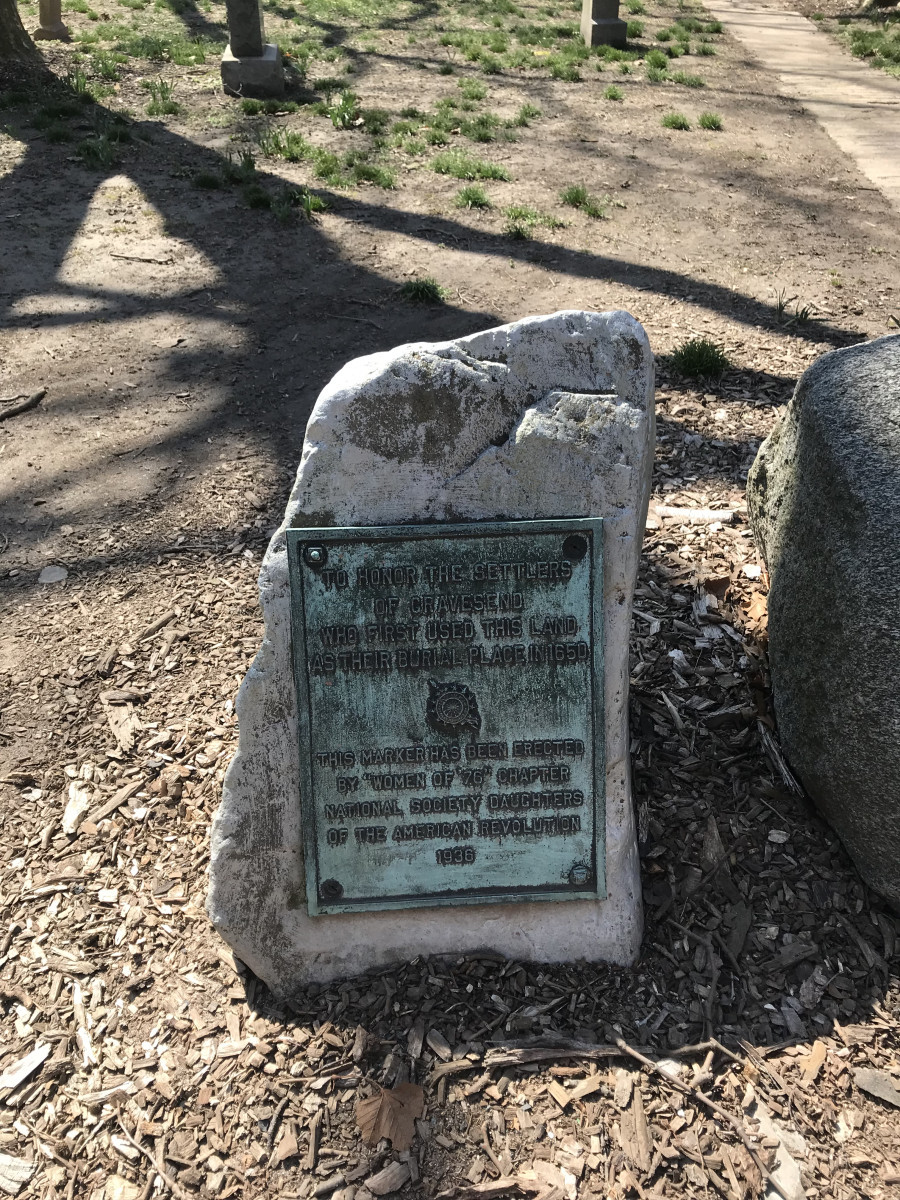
x: 547, y: 417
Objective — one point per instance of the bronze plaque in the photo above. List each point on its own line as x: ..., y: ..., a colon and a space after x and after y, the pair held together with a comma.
x: 450, y: 702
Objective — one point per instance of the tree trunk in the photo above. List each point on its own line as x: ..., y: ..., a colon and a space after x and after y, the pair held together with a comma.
x: 15, y: 44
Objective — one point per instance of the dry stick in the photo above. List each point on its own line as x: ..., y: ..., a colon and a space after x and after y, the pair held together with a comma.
x: 695, y: 516
x: 276, y: 1121
x: 156, y: 625
x: 178, y: 1192
x: 706, y: 943
x: 760, y: 1063
x: 717, y: 1108
x: 70, y: 1190
x: 21, y: 406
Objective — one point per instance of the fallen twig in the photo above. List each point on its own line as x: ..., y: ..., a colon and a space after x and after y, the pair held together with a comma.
x: 160, y: 262
x: 695, y: 516
x: 177, y: 1191
x: 276, y: 1121
x: 20, y: 406
x: 717, y: 1108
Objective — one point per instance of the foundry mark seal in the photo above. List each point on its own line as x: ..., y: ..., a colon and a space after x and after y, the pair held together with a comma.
x: 451, y: 706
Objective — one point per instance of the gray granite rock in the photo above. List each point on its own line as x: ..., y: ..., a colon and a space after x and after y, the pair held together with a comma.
x: 824, y: 496
x: 549, y: 417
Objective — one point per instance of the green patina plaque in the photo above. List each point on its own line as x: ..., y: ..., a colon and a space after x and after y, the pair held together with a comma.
x: 450, y: 703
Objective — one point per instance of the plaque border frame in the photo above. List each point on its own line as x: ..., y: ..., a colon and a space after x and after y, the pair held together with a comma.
x: 295, y: 538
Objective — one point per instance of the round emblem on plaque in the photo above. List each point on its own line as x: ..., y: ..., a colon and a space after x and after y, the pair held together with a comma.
x: 451, y: 706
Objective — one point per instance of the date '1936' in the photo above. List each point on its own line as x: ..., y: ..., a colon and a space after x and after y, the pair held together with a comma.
x: 455, y: 856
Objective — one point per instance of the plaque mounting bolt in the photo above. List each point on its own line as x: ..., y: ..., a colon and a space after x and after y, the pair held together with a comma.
x: 579, y: 874
x: 315, y: 556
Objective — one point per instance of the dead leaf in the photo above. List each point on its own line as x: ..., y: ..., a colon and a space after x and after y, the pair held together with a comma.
x: 878, y: 1084
x: 391, y: 1113
x: 758, y: 608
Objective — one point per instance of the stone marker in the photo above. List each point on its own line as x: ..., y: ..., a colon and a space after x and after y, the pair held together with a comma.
x: 51, y: 25
x: 250, y: 65
x: 601, y: 24
x: 823, y: 496
x: 463, y: 537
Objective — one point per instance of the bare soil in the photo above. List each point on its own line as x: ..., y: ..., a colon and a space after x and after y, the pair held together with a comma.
x: 183, y: 337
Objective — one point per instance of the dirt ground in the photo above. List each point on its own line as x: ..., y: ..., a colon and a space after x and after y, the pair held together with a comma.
x: 182, y: 337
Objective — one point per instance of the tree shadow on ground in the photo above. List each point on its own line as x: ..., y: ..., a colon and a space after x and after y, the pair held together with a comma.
x: 295, y: 340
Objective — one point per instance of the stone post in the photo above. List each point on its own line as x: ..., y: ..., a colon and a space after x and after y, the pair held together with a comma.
x: 250, y: 65
x: 601, y: 24
x: 51, y: 26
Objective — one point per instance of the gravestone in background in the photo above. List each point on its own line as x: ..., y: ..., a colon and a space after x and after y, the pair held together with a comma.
x: 250, y: 65
x: 446, y: 768
x: 823, y: 497
x: 51, y: 27
x: 601, y: 24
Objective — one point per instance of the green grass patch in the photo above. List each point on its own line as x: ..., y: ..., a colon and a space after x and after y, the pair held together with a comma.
x: 635, y: 29
x: 686, y: 80
x: 206, y: 180
x: 472, y: 89
x: 345, y: 112
x: 293, y: 202
x: 472, y: 195
x: 577, y: 196
x: 700, y: 358
x: 275, y: 142
x: 526, y: 114
x: 106, y: 64
x: 675, y: 120
x: 879, y: 44
x: 161, y: 98
x: 98, y: 151
x: 563, y: 70
x: 460, y: 165
x: 710, y: 120
x: 375, y: 120
x: 58, y: 132
x: 522, y: 220
x: 613, y: 93
x: 255, y: 108
x: 239, y: 168
x: 183, y: 52
x: 425, y: 290
x: 656, y: 58
x: 486, y: 127
x: 705, y: 50
x: 256, y: 196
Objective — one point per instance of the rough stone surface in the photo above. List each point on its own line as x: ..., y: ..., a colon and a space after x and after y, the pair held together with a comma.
x: 549, y: 417
x: 253, y: 76
x: 823, y: 496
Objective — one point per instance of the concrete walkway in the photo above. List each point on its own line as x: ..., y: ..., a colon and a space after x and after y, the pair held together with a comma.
x: 856, y: 104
